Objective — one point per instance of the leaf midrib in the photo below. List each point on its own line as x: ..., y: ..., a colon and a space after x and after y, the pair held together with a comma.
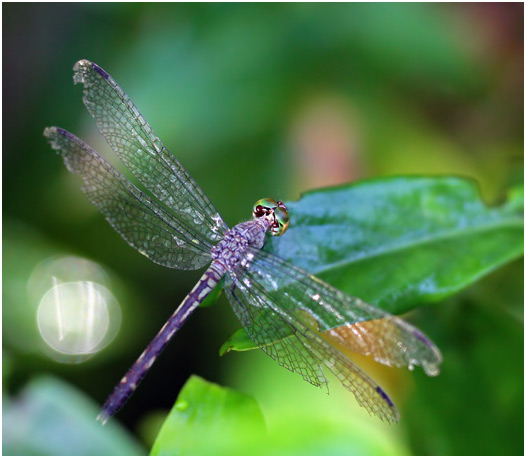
x: 439, y: 236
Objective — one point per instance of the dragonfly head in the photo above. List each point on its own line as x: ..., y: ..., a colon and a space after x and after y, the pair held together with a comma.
x: 274, y: 212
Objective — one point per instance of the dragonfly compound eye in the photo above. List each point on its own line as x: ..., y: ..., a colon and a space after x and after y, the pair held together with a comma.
x: 263, y: 207
x: 281, y: 221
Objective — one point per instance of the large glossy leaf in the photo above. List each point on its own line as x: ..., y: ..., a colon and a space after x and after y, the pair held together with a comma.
x: 403, y: 241
x: 208, y: 419
x: 399, y: 242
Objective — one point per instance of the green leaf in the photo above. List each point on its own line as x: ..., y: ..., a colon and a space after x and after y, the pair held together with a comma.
x: 208, y: 419
x: 50, y: 417
x: 399, y: 242
x: 239, y: 341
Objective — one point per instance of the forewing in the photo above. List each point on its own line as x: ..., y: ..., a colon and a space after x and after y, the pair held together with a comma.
x: 139, y: 148
x: 144, y: 224
x: 288, y: 338
x: 344, y: 319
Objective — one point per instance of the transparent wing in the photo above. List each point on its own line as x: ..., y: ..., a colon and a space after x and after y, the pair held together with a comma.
x: 144, y: 224
x: 344, y: 319
x: 272, y: 333
x: 289, y: 338
x: 136, y: 144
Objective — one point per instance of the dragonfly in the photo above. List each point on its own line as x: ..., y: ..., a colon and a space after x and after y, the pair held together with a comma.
x: 303, y: 323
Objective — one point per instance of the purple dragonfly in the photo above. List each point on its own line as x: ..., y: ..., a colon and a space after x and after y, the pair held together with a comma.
x: 294, y: 317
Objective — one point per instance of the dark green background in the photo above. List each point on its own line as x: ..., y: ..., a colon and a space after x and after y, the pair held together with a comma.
x: 263, y: 100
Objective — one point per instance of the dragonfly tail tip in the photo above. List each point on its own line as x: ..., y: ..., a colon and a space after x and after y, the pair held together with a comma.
x: 102, y: 418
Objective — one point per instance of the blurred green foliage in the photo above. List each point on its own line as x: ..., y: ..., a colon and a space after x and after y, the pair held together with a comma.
x: 261, y: 100
x: 52, y: 418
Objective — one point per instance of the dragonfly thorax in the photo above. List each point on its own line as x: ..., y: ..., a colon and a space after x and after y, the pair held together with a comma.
x: 232, y: 249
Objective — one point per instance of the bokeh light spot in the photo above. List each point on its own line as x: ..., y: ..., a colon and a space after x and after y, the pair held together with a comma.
x: 77, y: 314
x: 73, y: 317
